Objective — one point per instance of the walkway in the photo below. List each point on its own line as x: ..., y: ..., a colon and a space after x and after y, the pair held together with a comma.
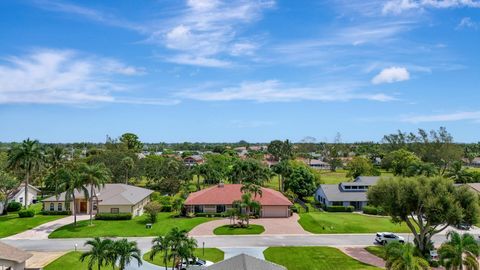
x: 42, y: 231
x: 360, y: 254
x: 273, y: 226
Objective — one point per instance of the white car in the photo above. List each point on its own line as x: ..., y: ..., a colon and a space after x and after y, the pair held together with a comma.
x: 194, y: 263
x: 384, y: 238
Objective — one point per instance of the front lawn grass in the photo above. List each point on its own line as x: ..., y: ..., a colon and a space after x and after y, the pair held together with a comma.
x: 123, y: 228
x: 325, y: 222
x: 11, y: 224
x: 313, y: 258
x: 211, y: 254
x: 68, y: 261
x: 378, y: 251
x: 229, y: 230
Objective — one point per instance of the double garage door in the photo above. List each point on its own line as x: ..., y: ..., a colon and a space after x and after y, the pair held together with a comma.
x: 275, y: 211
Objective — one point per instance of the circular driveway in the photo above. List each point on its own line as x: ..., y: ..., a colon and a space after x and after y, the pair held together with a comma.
x: 273, y: 226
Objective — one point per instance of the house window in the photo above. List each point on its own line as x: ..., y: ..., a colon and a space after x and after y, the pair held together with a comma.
x: 52, y: 207
x: 114, y: 210
x: 20, y: 199
x: 337, y: 203
x: 220, y: 208
x: 198, y: 209
x: 59, y: 207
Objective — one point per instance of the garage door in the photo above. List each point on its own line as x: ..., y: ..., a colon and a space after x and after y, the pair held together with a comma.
x: 274, y: 211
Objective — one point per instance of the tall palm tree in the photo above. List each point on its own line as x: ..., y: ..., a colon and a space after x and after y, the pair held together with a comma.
x: 252, y: 188
x: 161, y: 244
x: 96, y: 176
x: 128, y: 164
x: 27, y: 157
x: 99, y: 252
x: 186, y: 249
x: 124, y: 251
x: 459, y: 251
x: 176, y: 237
x: 248, y: 204
x: 402, y: 257
x: 457, y: 173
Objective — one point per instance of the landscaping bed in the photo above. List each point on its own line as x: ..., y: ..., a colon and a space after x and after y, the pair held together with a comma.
x: 230, y: 230
x: 211, y: 254
x: 325, y: 222
x: 124, y: 228
x: 313, y: 258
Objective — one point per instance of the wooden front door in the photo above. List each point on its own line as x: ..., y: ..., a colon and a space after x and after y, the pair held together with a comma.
x: 83, y: 207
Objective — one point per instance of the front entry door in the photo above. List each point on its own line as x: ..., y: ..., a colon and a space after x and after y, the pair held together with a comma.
x: 83, y: 207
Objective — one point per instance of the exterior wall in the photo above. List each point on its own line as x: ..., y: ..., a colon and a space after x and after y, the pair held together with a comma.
x: 20, y: 196
x: 321, y: 197
x: 121, y: 208
x: 275, y: 211
x: 4, y: 264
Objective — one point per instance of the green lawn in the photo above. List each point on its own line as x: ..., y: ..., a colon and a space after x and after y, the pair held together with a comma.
x: 378, y: 251
x: 211, y: 254
x: 134, y: 227
x: 313, y: 258
x: 228, y: 230
x: 11, y: 224
x: 68, y: 261
x: 324, y: 222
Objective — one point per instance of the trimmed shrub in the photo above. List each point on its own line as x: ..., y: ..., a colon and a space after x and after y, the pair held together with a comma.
x: 370, y: 210
x: 340, y: 208
x: 56, y: 213
x: 152, y: 209
x: 109, y: 216
x: 210, y: 214
x: 294, y: 209
x: 166, y: 208
x: 24, y: 213
x: 14, y: 206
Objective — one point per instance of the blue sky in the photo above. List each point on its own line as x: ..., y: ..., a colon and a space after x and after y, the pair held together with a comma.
x: 198, y: 70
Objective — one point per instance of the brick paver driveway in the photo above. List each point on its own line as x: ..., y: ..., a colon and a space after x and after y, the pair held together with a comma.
x: 283, y: 226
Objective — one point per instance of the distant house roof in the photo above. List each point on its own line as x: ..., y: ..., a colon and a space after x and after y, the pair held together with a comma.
x: 14, y: 254
x: 13, y: 194
x: 228, y: 193
x: 339, y: 192
x: 112, y: 194
x: 474, y: 186
x: 195, y: 157
x: 245, y: 262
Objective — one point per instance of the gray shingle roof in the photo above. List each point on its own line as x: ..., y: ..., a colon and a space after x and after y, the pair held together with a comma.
x: 112, y: 194
x: 334, y: 194
x: 14, y: 254
x: 369, y: 180
x: 245, y: 262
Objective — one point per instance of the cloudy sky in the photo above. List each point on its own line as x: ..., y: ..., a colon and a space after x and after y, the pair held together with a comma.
x: 212, y: 70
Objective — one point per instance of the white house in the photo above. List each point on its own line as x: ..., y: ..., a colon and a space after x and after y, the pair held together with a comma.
x: 19, y: 194
x: 12, y: 258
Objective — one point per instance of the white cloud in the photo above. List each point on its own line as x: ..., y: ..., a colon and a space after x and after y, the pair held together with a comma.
x: 391, y: 74
x: 193, y: 60
x: 450, y: 117
x: 64, y: 77
x: 467, y: 22
x: 275, y: 91
x: 400, y: 6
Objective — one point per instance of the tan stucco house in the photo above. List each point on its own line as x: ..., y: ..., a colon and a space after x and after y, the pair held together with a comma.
x: 12, y: 258
x: 112, y: 198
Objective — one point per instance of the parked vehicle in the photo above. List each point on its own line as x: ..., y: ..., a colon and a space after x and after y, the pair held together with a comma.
x: 463, y: 226
x: 384, y: 238
x: 193, y: 263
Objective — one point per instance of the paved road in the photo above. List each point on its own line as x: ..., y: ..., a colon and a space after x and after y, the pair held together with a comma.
x: 144, y: 243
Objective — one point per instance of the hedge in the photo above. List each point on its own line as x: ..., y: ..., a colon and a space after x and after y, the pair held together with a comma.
x: 371, y: 210
x: 56, y: 213
x: 14, y: 206
x: 109, y: 216
x: 294, y: 209
x: 166, y: 208
x: 24, y: 213
x: 210, y: 214
x: 340, y: 208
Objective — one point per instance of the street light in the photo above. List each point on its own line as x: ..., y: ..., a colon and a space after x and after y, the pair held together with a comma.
x: 203, y: 249
x: 76, y: 246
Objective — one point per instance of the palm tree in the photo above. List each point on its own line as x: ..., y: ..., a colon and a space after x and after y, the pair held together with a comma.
x: 99, y: 252
x: 124, y: 251
x: 402, y: 257
x: 27, y: 157
x: 176, y: 237
x: 252, y: 189
x: 96, y: 176
x: 186, y: 249
x: 282, y: 169
x: 457, y: 173
x: 248, y: 204
x: 161, y: 244
x: 459, y: 251
x: 128, y: 164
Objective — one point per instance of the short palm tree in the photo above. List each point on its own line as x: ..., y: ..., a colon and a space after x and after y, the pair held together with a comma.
x: 402, y: 257
x: 459, y: 251
x: 176, y: 237
x: 99, y: 253
x: 186, y: 249
x: 124, y: 251
x: 26, y: 157
x: 96, y: 176
x: 457, y: 173
x: 161, y: 245
x: 247, y: 204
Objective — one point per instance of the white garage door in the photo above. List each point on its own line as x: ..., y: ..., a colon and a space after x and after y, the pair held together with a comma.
x: 274, y: 211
